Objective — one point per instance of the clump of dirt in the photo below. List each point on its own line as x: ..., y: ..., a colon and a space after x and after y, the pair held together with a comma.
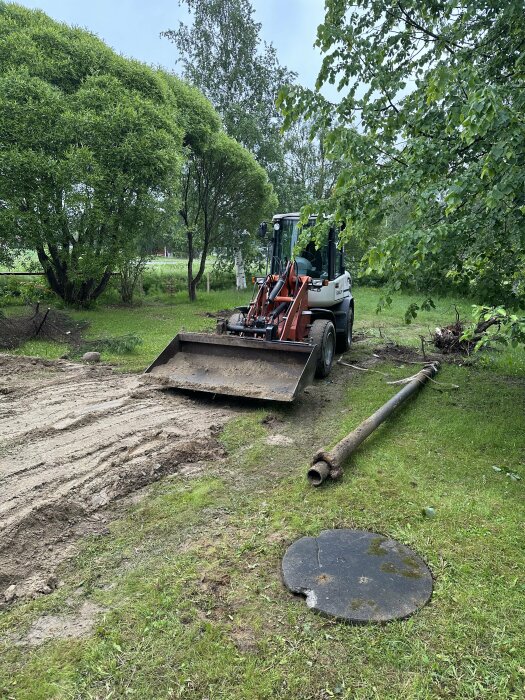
x: 75, y: 439
x: 272, y: 422
x: 360, y: 336
x: 448, y: 339
x: 392, y: 352
x: 224, y: 313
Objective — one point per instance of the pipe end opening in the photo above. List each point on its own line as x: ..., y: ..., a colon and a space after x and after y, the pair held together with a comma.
x: 318, y: 473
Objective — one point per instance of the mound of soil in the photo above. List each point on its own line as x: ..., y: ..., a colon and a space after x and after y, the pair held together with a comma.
x: 75, y: 438
x: 392, y: 352
x: 224, y: 313
x: 44, y: 324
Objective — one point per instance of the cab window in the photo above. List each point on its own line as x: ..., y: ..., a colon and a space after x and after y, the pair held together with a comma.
x: 286, y: 242
x: 312, y: 262
x: 339, y: 262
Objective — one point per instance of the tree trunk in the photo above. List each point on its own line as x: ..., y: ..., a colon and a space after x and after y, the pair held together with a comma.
x: 130, y: 277
x: 73, y: 293
x: 192, y: 292
x: 195, y: 281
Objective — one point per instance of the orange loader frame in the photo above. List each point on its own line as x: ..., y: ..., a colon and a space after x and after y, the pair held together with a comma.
x: 279, y: 311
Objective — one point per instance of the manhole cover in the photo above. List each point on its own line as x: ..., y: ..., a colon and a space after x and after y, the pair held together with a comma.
x: 357, y: 576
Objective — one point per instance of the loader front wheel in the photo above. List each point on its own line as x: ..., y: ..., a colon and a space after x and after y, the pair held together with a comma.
x: 235, y: 319
x: 322, y: 333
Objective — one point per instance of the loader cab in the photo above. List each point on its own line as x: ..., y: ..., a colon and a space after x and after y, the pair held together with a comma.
x: 325, y: 264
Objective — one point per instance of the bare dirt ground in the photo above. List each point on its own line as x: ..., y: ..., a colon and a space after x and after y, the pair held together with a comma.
x: 73, y: 439
x: 76, y: 439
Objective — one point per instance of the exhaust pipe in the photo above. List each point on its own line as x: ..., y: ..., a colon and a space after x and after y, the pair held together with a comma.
x: 329, y: 464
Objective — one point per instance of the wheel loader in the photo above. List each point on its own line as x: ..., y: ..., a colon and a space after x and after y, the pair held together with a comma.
x: 301, y: 314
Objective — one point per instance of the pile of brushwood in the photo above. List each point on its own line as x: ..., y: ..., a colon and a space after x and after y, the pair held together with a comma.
x: 457, y: 338
x: 57, y: 326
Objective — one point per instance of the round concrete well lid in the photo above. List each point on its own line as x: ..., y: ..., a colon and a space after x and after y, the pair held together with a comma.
x: 357, y: 576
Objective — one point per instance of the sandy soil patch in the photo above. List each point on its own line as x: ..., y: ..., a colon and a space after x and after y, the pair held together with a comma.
x: 73, y: 626
x: 73, y: 439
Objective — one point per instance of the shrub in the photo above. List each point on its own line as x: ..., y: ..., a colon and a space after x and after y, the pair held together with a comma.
x: 18, y: 290
x: 157, y: 282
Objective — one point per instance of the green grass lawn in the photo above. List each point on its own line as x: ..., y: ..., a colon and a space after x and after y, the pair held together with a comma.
x: 190, y: 577
x: 157, y: 322
x: 179, y: 265
x: 157, y: 263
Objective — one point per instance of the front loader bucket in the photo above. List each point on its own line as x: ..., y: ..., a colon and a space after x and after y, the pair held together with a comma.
x: 234, y: 366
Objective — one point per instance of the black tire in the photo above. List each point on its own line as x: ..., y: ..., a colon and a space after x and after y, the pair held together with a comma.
x: 322, y: 333
x: 344, y: 340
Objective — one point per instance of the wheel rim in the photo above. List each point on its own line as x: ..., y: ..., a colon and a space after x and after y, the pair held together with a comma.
x: 329, y: 349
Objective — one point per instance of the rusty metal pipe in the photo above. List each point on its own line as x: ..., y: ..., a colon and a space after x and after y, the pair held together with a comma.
x: 326, y: 464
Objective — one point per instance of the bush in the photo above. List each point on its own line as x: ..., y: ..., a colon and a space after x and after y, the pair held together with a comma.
x: 120, y: 344
x: 18, y: 290
x: 222, y: 279
x: 157, y: 282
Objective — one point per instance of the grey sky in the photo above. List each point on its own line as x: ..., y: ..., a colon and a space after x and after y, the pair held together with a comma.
x: 132, y: 27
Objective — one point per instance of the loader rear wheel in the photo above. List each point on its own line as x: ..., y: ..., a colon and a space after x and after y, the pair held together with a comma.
x: 344, y: 340
x: 322, y: 333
